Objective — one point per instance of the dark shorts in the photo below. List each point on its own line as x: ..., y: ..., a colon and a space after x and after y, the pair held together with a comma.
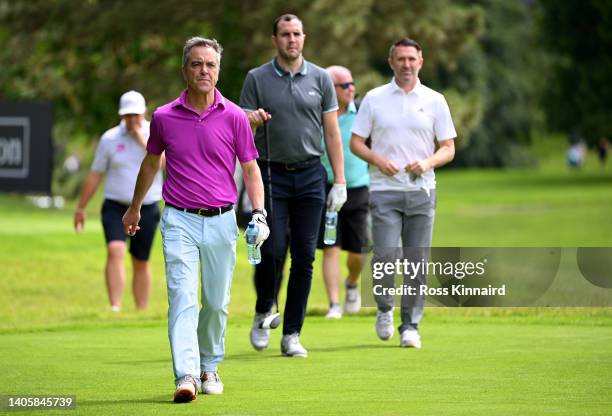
x: 141, y: 243
x: 352, y: 229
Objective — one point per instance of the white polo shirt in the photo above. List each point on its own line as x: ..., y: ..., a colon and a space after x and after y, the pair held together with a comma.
x: 403, y: 127
x: 119, y: 157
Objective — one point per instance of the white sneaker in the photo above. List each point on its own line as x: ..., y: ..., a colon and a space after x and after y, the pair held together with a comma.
x: 259, y: 337
x: 384, y: 324
x: 211, y: 382
x: 291, y: 347
x: 410, y: 339
x: 186, y: 390
x: 335, y: 312
x: 352, y: 303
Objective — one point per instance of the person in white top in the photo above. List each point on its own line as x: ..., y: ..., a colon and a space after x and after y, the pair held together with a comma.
x: 404, y: 119
x: 118, y: 156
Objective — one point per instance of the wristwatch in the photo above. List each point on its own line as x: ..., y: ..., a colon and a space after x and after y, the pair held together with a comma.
x: 260, y: 211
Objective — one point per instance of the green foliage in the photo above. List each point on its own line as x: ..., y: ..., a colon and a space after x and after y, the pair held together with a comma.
x: 501, y: 72
x: 579, y: 93
x: 485, y: 56
x: 84, y: 55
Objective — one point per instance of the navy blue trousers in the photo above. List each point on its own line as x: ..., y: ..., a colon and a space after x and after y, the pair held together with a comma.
x: 298, y: 201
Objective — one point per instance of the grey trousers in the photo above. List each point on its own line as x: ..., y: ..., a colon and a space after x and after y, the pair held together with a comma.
x: 408, y: 216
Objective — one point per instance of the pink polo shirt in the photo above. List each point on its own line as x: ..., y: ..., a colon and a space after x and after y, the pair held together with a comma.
x: 201, y: 151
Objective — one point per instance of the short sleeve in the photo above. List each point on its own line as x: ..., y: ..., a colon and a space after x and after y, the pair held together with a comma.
x: 444, y: 128
x: 248, y: 95
x: 363, y: 124
x: 330, y: 102
x: 155, y: 144
x: 245, y: 146
x: 101, y: 162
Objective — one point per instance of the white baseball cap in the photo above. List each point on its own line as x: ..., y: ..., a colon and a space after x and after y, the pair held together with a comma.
x: 132, y: 102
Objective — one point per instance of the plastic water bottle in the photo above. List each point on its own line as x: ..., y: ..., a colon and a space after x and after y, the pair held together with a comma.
x: 253, y: 252
x: 331, y: 220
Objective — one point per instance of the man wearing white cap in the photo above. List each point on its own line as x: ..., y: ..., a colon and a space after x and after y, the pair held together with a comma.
x: 118, y: 156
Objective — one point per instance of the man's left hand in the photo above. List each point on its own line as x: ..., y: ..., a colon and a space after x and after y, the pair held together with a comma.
x: 262, y: 228
x: 419, y: 167
x: 336, y: 197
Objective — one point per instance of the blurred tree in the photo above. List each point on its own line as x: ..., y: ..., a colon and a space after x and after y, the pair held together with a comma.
x: 84, y: 55
x: 579, y: 91
x: 358, y: 35
x: 502, y: 70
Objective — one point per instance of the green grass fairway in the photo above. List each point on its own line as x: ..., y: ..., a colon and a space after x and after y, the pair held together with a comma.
x: 58, y: 337
x: 466, y: 367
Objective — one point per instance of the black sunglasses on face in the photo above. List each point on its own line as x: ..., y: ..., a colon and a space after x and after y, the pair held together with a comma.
x: 345, y: 85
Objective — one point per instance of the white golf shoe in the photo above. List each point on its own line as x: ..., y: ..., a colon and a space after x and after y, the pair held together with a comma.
x: 211, y: 382
x: 335, y: 312
x: 384, y: 324
x: 352, y: 303
x: 260, y: 338
x: 410, y: 339
x: 291, y: 347
x: 186, y: 390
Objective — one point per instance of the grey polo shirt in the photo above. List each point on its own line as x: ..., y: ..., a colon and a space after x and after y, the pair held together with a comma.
x: 297, y: 104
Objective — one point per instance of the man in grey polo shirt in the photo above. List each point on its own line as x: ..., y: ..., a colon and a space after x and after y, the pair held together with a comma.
x: 296, y: 100
x: 404, y: 119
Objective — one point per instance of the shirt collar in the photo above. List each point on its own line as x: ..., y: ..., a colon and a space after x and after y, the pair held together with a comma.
x: 182, y: 100
x: 396, y: 88
x: 351, y: 108
x: 281, y: 72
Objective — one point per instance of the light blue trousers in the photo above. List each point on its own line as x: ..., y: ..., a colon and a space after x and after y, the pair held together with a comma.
x: 197, y: 340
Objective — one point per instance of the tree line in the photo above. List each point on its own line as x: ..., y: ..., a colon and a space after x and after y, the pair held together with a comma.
x: 509, y: 69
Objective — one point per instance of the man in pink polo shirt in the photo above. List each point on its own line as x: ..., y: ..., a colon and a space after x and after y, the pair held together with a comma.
x: 202, y: 133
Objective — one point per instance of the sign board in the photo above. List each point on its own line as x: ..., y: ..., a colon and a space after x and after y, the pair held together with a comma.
x: 26, y: 152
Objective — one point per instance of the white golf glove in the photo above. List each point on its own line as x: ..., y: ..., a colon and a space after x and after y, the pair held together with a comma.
x: 263, y: 231
x: 336, y: 197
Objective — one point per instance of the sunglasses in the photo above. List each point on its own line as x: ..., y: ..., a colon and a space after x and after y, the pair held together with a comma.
x: 345, y: 85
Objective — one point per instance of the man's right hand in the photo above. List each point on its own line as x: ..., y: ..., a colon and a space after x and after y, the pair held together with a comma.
x: 137, y: 135
x: 388, y: 167
x: 258, y: 117
x: 131, y: 218
x: 79, y: 220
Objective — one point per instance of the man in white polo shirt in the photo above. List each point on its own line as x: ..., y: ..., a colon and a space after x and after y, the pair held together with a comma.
x: 404, y: 120
x: 118, y: 156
